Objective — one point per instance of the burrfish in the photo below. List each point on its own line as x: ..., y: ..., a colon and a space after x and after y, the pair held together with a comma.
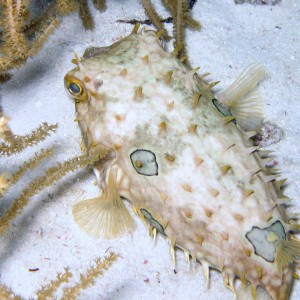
x: 184, y: 159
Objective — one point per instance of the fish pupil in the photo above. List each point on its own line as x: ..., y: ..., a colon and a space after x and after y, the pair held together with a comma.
x: 74, y: 88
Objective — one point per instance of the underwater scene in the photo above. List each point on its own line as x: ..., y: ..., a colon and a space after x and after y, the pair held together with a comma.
x: 149, y: 149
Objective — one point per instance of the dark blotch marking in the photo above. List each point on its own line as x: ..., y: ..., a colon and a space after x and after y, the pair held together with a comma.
x: 258, y: 237
x: 152, y: 221
x: 221, y: 108
x: 147, y: 161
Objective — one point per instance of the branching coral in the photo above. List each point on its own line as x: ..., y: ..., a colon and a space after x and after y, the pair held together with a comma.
x: 22, y: 37
x: 48, y: 291
x: 13, y: 144
x: 180, y: 16
x: 88, y: 279
x: 4, y: 129
x: 31, y: 164
x: 5, y: 182
x: 100, y: 4
x: 52, y: 174
x: 16, y: 47
x: 7, y: 293
x: 70, y: 292
x: 153, y: 15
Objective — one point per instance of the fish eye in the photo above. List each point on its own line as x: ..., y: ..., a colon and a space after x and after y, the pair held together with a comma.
x: 75, y: 88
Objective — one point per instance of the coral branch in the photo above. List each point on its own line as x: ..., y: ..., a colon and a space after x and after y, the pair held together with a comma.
x: 63, y: 7
x: 88, y: 279
x: 181, y: 19
x: 5, y: 182
x: 191, y: 23
x: 4, y: 129
x: 18, y: 44
x: 15, y: 43
x: 7, y: 293
x: 13, y: 143
x: 52, y: 175
x: 154, y: 17
x: 46, y: 29
x: 100, y: 5
x: 178, y: 10
x: 48, y: 291
x: 85, y: 15
x: 31, y: 164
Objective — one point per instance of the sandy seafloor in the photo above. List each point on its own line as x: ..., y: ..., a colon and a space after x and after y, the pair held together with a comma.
x: 45, y: 236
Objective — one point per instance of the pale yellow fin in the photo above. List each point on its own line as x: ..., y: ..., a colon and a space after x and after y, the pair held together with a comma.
x: 245, y: 102
x: 105, y: 216
x: 287, y: 252
x: 246, y: 82
x: 248, y: 111
x: 246, y: 293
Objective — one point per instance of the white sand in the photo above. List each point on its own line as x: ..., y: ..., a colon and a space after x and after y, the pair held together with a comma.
x: 45, y: 236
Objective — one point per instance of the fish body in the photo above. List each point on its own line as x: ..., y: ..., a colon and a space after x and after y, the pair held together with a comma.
x: 187, y: 170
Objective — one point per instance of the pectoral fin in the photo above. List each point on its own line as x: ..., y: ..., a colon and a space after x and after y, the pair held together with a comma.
x: 244, y: 100
x: 288, y: 252
x: 105, y: 216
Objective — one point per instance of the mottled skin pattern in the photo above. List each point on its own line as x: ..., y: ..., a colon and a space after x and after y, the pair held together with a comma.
x: 204, y: 172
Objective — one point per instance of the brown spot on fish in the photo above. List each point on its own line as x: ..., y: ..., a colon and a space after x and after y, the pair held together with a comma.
x: 146, y: 59
x: 208, y: 212
x: 163, y: 125
x: 138, y: 94
x: 199, y: 239
x: 225, y: 236
x: 188, y: 214
x: 198, y: 161
x: 170, y: 158
x: 192, y: 128
x: 187, y: 187
x: 168, y: 77
x: 123, y: 72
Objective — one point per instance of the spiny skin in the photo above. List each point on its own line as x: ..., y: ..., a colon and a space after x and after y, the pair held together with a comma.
x: 209, y: 191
